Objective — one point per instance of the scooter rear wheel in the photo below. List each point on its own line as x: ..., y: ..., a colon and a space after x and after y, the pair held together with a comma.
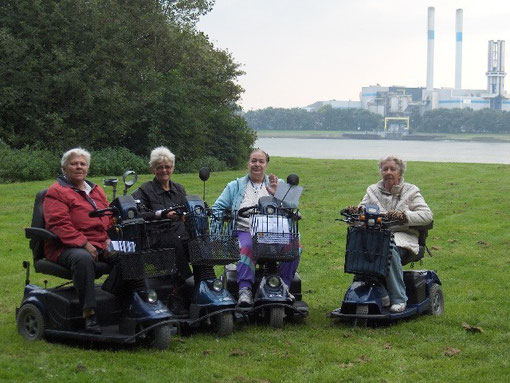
x: 30, y: 322
x: 224, y: 324
x: 361, y: 310
x: 276, y: 317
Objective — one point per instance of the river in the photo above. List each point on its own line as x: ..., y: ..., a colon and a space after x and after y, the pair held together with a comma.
x: 433, y: 151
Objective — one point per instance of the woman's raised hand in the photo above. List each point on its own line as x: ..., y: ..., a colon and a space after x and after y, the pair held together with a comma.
x: 273, y: 183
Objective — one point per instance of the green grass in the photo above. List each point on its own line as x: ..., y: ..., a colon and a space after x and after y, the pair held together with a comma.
x: 339, y: 134
x: 471, y: 235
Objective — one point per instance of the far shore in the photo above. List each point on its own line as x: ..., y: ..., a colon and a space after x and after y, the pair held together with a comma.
x: 343, y: 135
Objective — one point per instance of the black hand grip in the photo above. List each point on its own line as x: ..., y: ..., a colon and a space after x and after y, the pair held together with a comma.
x: 243, y: 212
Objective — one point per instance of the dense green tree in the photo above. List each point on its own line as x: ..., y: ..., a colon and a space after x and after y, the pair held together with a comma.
x: 117, y: 73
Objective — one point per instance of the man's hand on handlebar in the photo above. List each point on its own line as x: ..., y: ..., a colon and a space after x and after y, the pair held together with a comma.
x: 350, y: 210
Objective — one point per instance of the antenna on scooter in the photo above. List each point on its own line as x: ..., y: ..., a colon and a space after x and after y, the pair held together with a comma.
x: 204, y: 174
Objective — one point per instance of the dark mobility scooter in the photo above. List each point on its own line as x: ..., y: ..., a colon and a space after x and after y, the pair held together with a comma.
x: 209, y: 302
x: 134, y: 316
x: 275, y: 233
x: 367, y: 256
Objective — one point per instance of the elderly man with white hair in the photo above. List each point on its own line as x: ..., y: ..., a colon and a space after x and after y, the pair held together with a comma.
x: 405, y: 203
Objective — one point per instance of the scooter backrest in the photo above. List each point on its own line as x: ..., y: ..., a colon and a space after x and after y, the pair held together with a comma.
x: 37, y: 245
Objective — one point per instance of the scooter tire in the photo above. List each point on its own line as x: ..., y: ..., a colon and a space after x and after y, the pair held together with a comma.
x: 162, y: 335
x: 361, y: 310
x: 224, y: 324
x: 436, y: 300
x: 30, y: 322
x: 276, y: 317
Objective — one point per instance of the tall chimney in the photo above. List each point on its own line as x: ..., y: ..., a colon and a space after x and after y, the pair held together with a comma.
x: 430, y: 49
x: 458, y: 49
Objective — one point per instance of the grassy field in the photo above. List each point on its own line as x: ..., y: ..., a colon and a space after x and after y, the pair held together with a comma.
x: 471, y: 241
x: 339, y: 134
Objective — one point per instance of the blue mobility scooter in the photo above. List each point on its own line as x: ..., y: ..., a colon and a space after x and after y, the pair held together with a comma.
x: 135, y: 316
x: 275, y: 233
x: 209, y: 303
x: 367, y: 256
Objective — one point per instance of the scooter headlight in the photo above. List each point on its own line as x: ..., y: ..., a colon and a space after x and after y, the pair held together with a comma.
x: 217, y: 285
x: 273, y: 281
x: 152, y: 296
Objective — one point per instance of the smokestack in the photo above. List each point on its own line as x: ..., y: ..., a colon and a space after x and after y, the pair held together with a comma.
x: 458, y: 49
x: 430, y: 49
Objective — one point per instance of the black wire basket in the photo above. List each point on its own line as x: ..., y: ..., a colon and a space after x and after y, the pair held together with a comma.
x: 275, y: 237
x: 367, y: 251
x: 151, y: 254
x: 213, y: 241
x: 148, y: 264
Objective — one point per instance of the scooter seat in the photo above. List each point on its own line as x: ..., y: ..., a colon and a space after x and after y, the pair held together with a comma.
x: 51, y: 268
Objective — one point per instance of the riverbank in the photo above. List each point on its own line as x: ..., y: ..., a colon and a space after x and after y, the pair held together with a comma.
x: 323, y: 134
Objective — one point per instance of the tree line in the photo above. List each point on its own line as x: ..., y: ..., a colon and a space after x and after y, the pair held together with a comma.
x: 131, y: 74
x: 353, y: 119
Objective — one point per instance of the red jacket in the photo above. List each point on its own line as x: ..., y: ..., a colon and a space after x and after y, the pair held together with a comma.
x: 66, y: 214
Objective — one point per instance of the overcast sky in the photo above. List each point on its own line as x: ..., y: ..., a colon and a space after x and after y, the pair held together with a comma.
x: 296, y: 52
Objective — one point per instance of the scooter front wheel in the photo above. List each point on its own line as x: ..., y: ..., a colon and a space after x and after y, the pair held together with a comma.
x: 361, y: 310
x: 436, y: 300
x: 224, y: 324
x: 276, y: 317
x: 162, y: 335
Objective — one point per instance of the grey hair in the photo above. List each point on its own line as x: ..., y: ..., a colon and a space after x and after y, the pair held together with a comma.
x: 400, y: 163
x: 161, y: 154
x: 78, y: 152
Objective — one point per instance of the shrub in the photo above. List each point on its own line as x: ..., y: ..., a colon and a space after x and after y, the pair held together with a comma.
x: 26, y: 164
x: 214, y: 164
x: 116, y: 162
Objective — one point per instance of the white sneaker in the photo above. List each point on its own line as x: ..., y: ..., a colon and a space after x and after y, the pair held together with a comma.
x: 245, y: 297
x: 398, y: 307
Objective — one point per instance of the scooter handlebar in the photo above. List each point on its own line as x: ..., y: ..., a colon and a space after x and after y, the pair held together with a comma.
x: 243, y: 212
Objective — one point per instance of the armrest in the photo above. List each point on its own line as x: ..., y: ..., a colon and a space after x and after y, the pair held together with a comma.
x: 39, y: 233
x: 424, y: 232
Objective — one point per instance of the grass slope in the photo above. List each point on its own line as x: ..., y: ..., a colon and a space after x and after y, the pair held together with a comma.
x: 472, y: 222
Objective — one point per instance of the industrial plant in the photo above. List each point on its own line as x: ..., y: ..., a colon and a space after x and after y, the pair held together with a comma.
x: 397, y: 103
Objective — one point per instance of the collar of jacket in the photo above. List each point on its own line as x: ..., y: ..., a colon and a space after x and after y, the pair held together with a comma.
x: 159, y: 189
x: 395, y: 190
x: 62, y: 180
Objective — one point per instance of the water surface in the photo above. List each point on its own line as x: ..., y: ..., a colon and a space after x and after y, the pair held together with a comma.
x: 434, y: 151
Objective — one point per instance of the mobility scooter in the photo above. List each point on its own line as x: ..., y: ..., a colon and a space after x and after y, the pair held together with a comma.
x: 367, y: 255
x: 275, y: 233
x: 208, y: 300
x: 135, y: 316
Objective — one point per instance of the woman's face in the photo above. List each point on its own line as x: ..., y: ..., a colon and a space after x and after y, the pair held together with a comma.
x: 257, y: 165
x: 163, y: 171
x: 390, y: 173
x: 76, y: 170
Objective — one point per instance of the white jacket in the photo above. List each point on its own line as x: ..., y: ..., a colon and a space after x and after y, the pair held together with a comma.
x: 403, y: 197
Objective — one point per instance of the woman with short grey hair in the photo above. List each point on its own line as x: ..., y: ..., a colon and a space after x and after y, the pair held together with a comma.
x: 405, y: 203
x: 156, y: 197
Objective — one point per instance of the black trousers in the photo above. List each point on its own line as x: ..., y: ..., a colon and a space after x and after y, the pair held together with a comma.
x: 83, y: 268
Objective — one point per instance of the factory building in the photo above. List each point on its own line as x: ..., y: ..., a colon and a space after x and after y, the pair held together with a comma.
x: 401, y: 101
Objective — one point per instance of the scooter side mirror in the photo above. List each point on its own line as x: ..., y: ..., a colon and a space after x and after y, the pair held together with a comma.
x: 129, y: 178
x: 293, y: 179
x: 204, y: 173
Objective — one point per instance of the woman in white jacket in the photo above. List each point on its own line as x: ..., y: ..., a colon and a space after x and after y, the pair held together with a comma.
x: 405, y: 203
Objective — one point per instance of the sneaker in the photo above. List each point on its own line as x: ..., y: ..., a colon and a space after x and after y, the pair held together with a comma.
x: 245, y: 297
x: 91, y: 325
x: 398, y: 307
